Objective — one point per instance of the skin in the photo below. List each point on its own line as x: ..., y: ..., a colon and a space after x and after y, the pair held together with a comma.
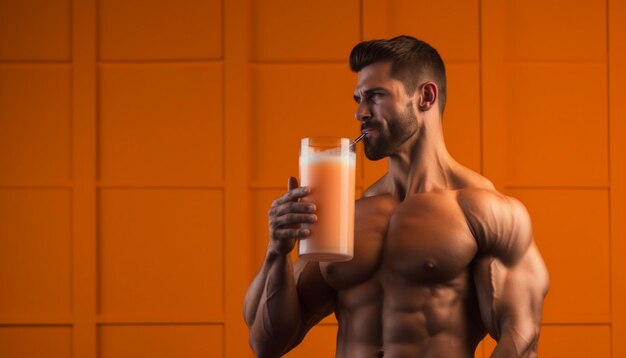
x: 440, y: 260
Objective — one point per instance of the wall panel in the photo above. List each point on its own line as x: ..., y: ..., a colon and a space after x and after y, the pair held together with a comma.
x: 288, y: 31
x: 35, y: 130
x: 555, y: 31
x: 160, y: 124
x: 35, y: 255
x: 35, y: 30
x: 156, y: 341
x: 160, y: 254
x: 35, y: 341
x: 168, y: 30
x: 547, y: 117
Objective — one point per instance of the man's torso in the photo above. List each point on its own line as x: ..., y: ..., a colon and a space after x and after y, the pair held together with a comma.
x: 408, y: 291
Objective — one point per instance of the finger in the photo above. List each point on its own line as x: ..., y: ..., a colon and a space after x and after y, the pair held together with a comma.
x: 292, y: 207
x: 292, y: 195
x: 285, y: 234
x: 292, y: 183
x: 292, y: 219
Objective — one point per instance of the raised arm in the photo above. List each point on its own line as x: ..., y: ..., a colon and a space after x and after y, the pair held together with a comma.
x: 284, y: 302
x: 510, y: 275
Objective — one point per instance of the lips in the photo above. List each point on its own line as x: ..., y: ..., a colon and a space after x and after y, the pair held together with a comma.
x: 367, y: 127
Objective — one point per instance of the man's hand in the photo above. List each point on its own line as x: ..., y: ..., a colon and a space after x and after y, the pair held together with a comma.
x: 286, y: 217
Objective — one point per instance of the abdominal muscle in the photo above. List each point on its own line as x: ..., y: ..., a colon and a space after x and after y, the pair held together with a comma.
x: 386, y: 318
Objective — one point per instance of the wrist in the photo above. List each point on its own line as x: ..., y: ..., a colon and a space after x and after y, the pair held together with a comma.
x: 273, y: 254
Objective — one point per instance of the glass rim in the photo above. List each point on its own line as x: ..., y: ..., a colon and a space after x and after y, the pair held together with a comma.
x: 311, y: 145
x: 325, y: 139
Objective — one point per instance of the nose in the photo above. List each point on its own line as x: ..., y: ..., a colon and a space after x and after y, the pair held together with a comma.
x: 362, y: 112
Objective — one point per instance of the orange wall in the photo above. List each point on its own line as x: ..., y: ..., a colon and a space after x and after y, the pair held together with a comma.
x: 141, y: 143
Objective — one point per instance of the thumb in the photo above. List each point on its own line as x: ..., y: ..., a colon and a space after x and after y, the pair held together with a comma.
x: 292, y: 183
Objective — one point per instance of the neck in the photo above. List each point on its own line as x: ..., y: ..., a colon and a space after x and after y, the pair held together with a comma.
x: 423, y: 164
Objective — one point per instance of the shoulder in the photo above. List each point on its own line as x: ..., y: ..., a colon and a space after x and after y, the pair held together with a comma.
x: 465, y: 178
x: 480, y: 200
x: 488, y: 202
x: 378, y: 198
x: 375, y: 203
x: 500, y: 224
x: 380, y: 187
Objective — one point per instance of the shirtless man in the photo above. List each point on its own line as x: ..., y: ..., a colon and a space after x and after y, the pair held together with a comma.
x: 440, y: 257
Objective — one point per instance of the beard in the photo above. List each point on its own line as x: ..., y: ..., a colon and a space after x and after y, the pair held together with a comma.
x: 388, y: 139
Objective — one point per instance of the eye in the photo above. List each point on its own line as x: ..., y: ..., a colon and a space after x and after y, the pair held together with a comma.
x: 374, y: 96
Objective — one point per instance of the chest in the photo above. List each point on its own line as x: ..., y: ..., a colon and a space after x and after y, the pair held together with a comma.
x: 423, y: 240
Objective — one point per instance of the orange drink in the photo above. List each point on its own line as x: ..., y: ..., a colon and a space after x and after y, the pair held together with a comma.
x: 327, y: 166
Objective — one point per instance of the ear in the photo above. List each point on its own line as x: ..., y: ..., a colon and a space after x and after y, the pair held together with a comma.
x: 428, y: 94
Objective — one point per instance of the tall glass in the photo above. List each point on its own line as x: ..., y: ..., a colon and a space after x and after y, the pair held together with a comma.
x: 327, y: 166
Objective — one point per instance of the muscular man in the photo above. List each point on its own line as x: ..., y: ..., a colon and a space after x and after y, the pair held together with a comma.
x: 440, y: 257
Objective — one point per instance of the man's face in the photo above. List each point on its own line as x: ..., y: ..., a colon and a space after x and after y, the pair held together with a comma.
x: 385, y: 110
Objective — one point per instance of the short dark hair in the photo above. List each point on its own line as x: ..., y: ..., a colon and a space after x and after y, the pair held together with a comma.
x: 411, y: 60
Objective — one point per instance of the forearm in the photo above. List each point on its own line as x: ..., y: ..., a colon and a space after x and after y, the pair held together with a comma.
x: 272, y: 308
x: 518, y: 341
